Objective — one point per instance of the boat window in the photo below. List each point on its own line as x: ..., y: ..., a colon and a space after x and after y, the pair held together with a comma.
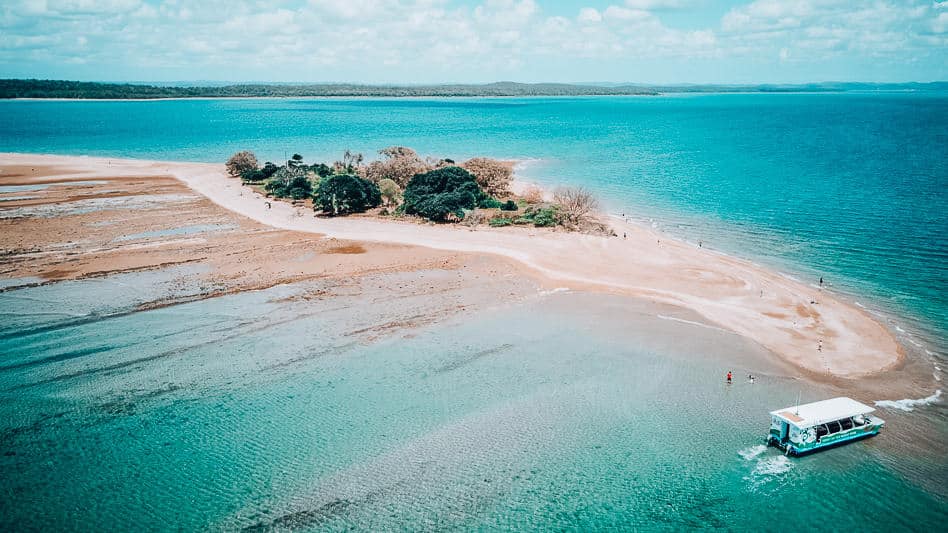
x: 833, y: 427
x: 846, y: 423
x: 821, y: 430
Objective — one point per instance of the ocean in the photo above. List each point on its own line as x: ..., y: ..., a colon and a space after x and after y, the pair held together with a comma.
x: 555, y: 413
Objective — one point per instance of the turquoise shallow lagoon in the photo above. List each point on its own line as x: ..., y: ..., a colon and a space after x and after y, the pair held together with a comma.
x: 556, y: 411
x: 852, y: 186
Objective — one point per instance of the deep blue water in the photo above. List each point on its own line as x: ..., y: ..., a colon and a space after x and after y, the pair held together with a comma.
x: 852, y: 187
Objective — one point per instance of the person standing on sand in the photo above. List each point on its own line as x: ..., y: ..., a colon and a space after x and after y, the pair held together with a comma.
x: 728, y: 377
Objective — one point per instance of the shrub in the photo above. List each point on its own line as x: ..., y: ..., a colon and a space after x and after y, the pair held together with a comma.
x: 241, y: 162
x: 509, y: 205
x: 441, y: 192
x: 493, y: 176
x: 285, y: 184
x: 321, y: 169
x: 489, y: 203
x: 399, y: 165
x: 390, y: 190
x: 500, y: 222
x: 342, y: 194
x: 541, y: 217
x: 545, y: 218
x: 576, y: 204
x: 533, y: 195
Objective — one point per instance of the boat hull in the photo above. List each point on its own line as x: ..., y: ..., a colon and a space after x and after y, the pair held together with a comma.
x: 796, y: 450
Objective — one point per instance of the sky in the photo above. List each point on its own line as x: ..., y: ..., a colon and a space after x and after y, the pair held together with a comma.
x: 476, y: 41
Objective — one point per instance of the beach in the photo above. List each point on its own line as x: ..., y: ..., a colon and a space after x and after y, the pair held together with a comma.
x: 803, y: 325
x: 168, y: 334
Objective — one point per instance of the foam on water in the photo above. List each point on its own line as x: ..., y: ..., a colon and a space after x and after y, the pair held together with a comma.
x: 752, y: 451
x: 773, y: 466
x: 909, y: 405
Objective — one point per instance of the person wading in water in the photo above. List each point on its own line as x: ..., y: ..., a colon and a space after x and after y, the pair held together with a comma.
x: 728, y: 377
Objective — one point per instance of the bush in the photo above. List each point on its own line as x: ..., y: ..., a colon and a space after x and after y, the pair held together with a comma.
x: 545, y: 218
x: 500, y: 222
x: 321, y: 169
x: 541, y: 217
x: 493, y: 176
x: 390, y: 190
x: 241, y: 162
x: 489, y: 203
x: 342, y: 194
x: 399, y: 165
x: 509, y: 205
x: 285, y: 184
x: 576, y: 204
x: 532, y: 195
x: 441, y: 192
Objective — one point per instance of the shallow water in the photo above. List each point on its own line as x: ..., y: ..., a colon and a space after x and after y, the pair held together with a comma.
x: 852, y: 187
x: 561, y: 411
x: 564, y: 411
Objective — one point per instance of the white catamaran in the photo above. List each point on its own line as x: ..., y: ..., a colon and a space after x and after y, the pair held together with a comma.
x: 805, y: 428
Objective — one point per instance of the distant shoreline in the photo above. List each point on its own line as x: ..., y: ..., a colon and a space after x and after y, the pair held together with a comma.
x: 33, y: 89
x: 485, y: 97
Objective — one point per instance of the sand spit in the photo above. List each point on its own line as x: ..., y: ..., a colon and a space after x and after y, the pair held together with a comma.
x: 803, y: 326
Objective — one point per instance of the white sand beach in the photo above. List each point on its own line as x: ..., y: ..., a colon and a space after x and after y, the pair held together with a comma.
x: 802, y: 325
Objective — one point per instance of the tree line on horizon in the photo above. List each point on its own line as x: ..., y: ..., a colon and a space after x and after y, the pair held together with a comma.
x: 35, y: 88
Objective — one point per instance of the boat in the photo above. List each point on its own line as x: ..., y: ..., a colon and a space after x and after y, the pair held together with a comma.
x: 801, y: 429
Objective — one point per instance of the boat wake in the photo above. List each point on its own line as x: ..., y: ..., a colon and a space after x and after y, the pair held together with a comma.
x: 773, y: 466
x: 909, y: 405
x: 752, y: 451
x: 767, y: 470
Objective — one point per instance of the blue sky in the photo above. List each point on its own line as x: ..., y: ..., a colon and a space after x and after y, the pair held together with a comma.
x: 425, y: 41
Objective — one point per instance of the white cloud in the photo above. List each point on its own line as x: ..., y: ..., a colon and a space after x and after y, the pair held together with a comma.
x: 624, y: 13
x: 652, y: 5
x: 423, y: 40
x: 589, y: 14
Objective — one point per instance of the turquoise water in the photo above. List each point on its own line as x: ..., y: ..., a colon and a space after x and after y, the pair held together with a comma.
x: 564, y: 411
x: 852, y: 187
x: 260, y: 411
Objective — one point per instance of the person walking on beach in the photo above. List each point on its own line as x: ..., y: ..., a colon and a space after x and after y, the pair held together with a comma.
x: 819, y: 347
x: 728, y: 377
x: 268, y: 205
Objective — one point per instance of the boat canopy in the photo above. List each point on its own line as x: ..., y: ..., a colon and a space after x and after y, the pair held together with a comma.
x: 816, y: 413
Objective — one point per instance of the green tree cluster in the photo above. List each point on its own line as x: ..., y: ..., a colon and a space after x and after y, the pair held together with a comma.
x: 341, y: 194
x: 442, y: 192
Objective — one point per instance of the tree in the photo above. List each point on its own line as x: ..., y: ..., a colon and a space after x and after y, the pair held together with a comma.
x: 390, y: 190
x: 321, y: 169
x: 399, y: 164
x: 441, y: 192
x: 341, y: 194
x: 289, y: 183
x: 576, y: 203
x: 350, y: 164
x: 241, y: 162
x: 262, y: 174
x: 492, y: 175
